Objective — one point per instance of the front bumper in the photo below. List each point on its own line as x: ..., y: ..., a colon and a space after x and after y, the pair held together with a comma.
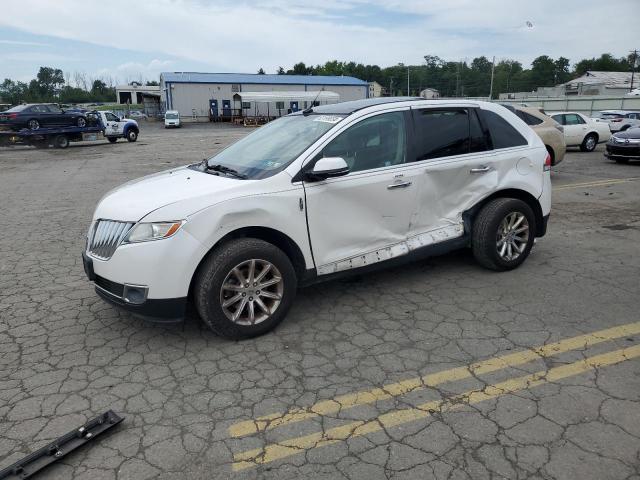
x: 618, y: 150
x: 160, y: 310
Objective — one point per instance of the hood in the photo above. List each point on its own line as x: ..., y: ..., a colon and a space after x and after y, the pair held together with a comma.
x: 633, y: 132
x: 185, y: 188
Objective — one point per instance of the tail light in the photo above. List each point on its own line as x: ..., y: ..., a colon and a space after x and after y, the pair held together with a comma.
x: 547, y: 163
x: 12, y: 116
x: 615, y: 120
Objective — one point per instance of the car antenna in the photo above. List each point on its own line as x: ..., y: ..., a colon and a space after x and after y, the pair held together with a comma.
x: 308, y: 110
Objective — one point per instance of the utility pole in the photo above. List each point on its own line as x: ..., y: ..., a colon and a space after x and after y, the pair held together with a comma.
x: 493, y: 66
x: 633, y: 68
x: 457, y: 78
x: 391, y: 87
x: 408, y: 82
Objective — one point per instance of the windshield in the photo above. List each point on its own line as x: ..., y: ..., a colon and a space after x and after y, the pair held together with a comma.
x: 171, y: 116
x: 272, y: 147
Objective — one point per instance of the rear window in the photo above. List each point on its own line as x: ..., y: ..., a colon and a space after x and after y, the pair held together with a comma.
x: 503, y: 134
x: 528, y: 118
x: 18, y: 108
x: 447, y: 132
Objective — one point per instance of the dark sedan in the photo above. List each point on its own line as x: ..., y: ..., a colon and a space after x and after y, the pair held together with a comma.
x: 40, y: 115
x: 624, y: 146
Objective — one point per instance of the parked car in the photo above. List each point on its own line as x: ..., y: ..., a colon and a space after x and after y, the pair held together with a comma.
x: 582, y: 131
x: 624, y: 146
x: 172, y: 119
x: 620, y: 120
x: 137, y: 115
x: 550, y: 131
x: 320, y: 193
x: 36, y: 115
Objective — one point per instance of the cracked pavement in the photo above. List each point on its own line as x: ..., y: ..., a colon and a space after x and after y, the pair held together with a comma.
x: 357, y: 352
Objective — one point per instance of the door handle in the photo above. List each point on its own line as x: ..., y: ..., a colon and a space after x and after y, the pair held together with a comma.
x: 481, y: 169
x: 399, y: 185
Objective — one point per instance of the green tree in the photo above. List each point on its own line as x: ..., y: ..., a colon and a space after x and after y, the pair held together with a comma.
x: 280, y: 71
x: 261, y: 71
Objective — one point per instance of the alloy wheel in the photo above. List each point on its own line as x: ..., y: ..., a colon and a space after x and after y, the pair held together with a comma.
x: 33, y: 125
x: 251, y: 292
x: 590, y: 143
x: 512, y: 236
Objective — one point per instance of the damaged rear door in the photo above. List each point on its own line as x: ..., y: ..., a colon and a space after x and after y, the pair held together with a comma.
x: 458, y: 170
x: 363, y: 217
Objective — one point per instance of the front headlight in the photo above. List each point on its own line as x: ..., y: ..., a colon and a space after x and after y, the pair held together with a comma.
x: 145, y: 232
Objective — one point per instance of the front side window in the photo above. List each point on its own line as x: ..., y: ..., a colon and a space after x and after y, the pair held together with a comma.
x: 559, y: 119
x: 375, y: 142
x: 54, y: 109
x: 111, y: 117
x: 503, y: 134
x: 272, y: 147
x: 573, y: 119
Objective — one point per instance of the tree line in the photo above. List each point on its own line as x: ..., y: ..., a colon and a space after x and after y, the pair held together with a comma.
x: 451, y: 79
x: 464, y: 78
x: 52, y: 85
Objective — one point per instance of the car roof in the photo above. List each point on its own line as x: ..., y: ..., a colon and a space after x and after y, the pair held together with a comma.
x: 355, y: 105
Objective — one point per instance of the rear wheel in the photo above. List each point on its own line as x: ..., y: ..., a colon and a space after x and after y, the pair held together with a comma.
x: 589, y: 143
x: 33, y: 124
x: 61, y: 141
x: 81, y: 122
x: 245, y: 288
x: 503, y: 234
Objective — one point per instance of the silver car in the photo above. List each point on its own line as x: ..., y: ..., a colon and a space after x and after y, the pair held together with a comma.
x: 620, y: 120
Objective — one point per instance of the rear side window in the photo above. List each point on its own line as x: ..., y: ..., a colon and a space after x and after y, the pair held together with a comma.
x: 528, y: 118
x: 503, y: 134
x: 447, y: 132
x: 573, y: 119
x: 559, y: 119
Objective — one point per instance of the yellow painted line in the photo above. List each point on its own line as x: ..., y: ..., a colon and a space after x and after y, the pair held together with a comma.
x: 290, y: 447
x: 596, y: 183
x: 342, y: 402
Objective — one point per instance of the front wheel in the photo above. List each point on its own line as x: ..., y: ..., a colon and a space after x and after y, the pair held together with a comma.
x: 503, y: 234
x: 61, y: 141
x: 589, y: 143
x: 81, y: 122
x: 245, y: 288
x: 132, y: 136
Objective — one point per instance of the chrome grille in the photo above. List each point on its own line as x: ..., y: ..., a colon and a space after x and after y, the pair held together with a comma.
x: 105, y: 237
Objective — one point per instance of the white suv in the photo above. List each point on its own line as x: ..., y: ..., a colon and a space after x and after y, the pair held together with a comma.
x: 320, y: 193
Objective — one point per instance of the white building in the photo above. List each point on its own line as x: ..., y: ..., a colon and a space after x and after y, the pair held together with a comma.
x: 430, y: 93
x: 214, y: 96
x: 375, y: 89
x: 133, y: 93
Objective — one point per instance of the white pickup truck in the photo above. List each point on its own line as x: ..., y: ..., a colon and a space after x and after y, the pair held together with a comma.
x: 115, y: 127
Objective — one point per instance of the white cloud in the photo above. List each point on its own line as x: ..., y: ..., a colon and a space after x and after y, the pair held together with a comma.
x: 236, y: 36
x: 22, y: 44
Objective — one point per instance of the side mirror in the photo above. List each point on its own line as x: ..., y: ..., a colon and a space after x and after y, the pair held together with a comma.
x: 328, y: 167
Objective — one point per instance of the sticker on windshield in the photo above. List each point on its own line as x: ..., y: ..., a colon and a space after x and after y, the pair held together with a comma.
x: 327, y: 119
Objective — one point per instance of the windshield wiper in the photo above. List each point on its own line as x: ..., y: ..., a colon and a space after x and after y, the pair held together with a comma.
x: 223, y: 169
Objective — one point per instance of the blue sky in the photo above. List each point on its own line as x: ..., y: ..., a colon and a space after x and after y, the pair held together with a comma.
x: 101, y: 40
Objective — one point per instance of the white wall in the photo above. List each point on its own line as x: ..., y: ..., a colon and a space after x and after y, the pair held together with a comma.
x: 188, y: 96
x: 581, y: 104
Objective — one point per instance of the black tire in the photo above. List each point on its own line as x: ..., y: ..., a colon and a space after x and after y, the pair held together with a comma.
x: 213, y: 272
x: 33, y: 124
x: 589, y: 143
x: 81, y: 122
x: 132, y: 135
x: 484, y: 235
x: 61, y: 141
x: 112, y: 139
x: 621, y: 160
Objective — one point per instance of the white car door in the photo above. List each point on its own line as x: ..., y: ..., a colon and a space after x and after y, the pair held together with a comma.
x: 459, y: 167
x: 363, y: 217
x: 112, y: 126
x: 575, y: 129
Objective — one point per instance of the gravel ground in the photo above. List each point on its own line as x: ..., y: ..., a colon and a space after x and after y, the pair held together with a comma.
x: 444, y: 356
